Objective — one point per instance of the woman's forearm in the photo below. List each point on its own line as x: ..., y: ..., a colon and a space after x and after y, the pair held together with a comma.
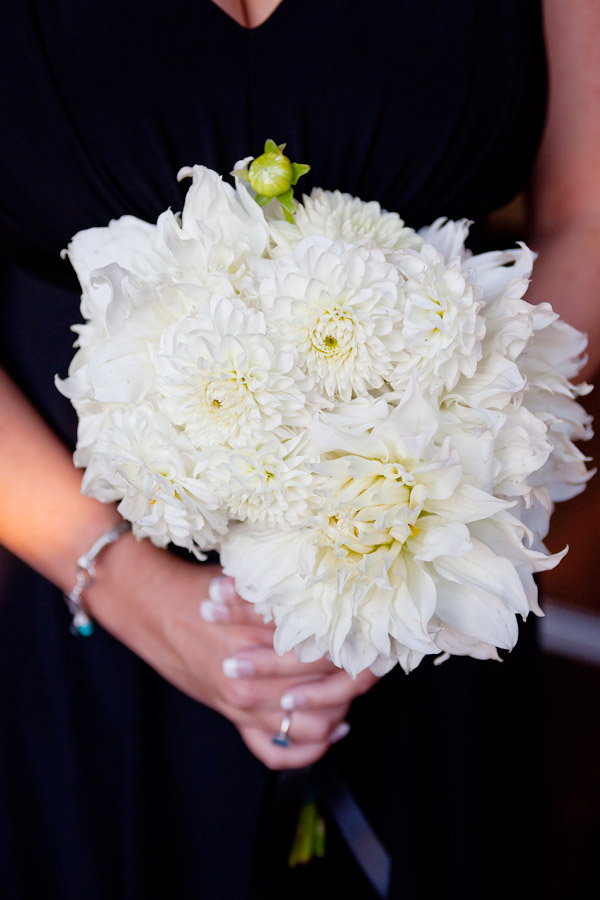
x: 567, y: 274
x: 565, y: 187
x: 44, y: 519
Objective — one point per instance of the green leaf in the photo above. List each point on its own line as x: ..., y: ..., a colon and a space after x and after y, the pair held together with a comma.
x: 240, y: 173
x: 262, y: 200
x: 287, y: 202
x: 298, y: 170
x: 272, y: 147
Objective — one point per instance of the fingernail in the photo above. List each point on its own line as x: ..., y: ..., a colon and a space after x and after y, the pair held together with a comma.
x: 293, y: 701
x: 238, y: 668
x: 340, y: 732
x: 213, y: 612
x: 221, y: 589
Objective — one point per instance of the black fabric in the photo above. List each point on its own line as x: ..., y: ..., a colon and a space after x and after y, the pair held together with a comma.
x: 112, y: 784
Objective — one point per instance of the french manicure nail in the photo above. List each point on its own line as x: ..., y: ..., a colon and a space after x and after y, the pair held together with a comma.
x: 221, y: 589
x: 293, y: 701
x: 238, y: 668
x: 340, y: 732
x: 213, y: 612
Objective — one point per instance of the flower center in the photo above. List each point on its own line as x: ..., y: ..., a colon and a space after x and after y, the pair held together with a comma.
x: 223, y: 396
x: 382, y: 513
x: 333, y: 335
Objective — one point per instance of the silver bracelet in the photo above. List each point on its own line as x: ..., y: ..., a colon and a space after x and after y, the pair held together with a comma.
x: 86, y: 574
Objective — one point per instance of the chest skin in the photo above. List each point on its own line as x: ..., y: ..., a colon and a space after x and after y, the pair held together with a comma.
x: 248, y: 13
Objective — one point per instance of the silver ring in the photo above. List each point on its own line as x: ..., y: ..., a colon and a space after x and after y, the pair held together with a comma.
x: 281, y: 738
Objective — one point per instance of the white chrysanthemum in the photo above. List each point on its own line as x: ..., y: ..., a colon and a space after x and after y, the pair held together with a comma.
x: 225, y: 382
x: 448, y: 237
x: 502, y: 443
x: 270, y: 485
x: 340, y: 306
x: 441, y: 328
x: 503, y: 275
x: 472, y: 433
x: 527, y: 403
x: 552, y: 399
x: 119, y: 368
x: 121, y: 273
x: 389, y: 558
x: 127, y: 241
x: 93, y: 417
x: 208, y: 245
x: 205, y: 257
x: 555, y: 353
x: 341, y: 216
x: 210, y: 201
x: 143, y: 462
x: 521, y: 447
x: 151, y: 257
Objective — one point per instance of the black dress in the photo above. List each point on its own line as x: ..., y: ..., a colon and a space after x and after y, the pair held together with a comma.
x: 112, y: 783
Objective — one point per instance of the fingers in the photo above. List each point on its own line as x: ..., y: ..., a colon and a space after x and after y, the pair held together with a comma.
x: 264, y: 662
x: 328, y: 692
x: 253, y: 683
x: 256, y: 703
x: 225, y: 606
x: 258, y: 678
x: 255, y: 696
x: 292, y: 757
x: 296, y: 754
x: 258, y: 687
x: 309, y: 727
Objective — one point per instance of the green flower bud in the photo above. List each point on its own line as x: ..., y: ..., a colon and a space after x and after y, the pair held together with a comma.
x: 273, y: 177
x: 271, y: 173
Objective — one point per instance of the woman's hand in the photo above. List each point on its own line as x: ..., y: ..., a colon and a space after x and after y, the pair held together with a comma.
x: 224, y: 657
x: 151, y: 600
x: 316, y: 696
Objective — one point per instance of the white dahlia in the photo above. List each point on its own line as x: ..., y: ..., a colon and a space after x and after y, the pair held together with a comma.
x: 388, y: 547
x: 340, y: 306
x: 127, y: 241
x: 145, y: 463
x: 272, y: 484
x: 553, y: 400
x: 206, y: 257
x: 225, y: 382
x: 448, y: 237
x: 212, y: 202
x: 341, y: 216
x: 441, y: 327
x: 119, y: 366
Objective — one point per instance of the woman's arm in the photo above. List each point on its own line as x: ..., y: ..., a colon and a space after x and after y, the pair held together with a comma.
x: 150, y: 600
x: 565, y: 190
x: 44, y: 519
x: 565, y: 218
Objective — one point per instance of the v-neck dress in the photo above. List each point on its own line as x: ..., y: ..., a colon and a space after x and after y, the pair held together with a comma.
x: 112, y: 783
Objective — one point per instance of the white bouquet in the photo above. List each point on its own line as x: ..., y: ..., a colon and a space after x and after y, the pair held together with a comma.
x: 370, y: 424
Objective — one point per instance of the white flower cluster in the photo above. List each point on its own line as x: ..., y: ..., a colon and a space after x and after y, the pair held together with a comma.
x: 370, y: 424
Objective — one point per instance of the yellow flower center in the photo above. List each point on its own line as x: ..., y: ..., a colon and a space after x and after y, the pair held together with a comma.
x: 383, y: 512
x: 333, y: 334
